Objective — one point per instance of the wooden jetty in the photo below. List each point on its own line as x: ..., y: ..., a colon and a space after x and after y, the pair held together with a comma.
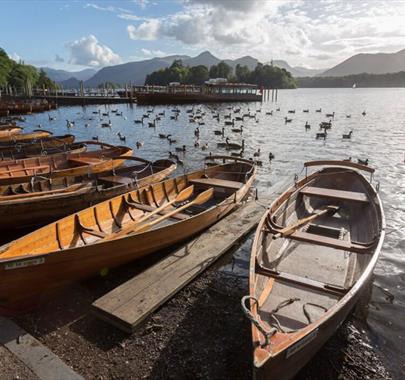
x: 71, y: 100
x: 210, y: 92
x: 130, y: 303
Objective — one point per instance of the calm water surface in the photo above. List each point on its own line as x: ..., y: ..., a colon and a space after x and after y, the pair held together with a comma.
x: 378, y: 136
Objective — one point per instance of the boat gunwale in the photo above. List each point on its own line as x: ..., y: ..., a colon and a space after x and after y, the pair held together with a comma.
x: 90, y: 186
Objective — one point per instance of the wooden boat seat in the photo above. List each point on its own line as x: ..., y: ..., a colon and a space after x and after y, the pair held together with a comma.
x: 216, y: 182
x: 117, y: 179
x: 335, y: 194
x: 301, y: 281
x: 84, y: 161
x: 330, y: 242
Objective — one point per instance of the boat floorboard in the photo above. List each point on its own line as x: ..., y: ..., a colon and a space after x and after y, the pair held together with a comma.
x: 130, y: 303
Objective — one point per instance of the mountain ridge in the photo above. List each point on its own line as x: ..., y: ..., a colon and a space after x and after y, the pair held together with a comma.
x: 135, y: 72
x: 370, y: 63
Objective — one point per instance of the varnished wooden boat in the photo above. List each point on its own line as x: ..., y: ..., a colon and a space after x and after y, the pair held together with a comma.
x: 27, y: 151
x: 9, y: 132
x: 42, y: 143
x: 5, y: 126
x: 39, y: 202
x: 312, y: 257
x: 37, y: 134
x: 63, y: 164
x: 118, y: 230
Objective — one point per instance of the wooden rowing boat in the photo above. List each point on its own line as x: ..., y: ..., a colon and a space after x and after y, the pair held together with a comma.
x: 42, y: 143
x: 9, y: 132
x: 17, y: 137
x: 117, y: 231
x: 27, y: 151
x: 34, y: 203
x: 312, y: 257
x: 5, y: 126
x: 63, y: 164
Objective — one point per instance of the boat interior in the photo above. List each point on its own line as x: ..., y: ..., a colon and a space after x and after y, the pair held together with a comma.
x: 122, y: 176
x: 44, y: 164
x: 304, y: 267
x: 150, y: 207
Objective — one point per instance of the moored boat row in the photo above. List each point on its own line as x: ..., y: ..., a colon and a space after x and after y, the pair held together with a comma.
x: 313, y: 253
x: 18, y: 107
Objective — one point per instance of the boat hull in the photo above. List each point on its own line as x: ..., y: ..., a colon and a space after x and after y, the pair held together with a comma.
x: 288, y: 352
x: 281, y: 367
x: 156, y: 98
x: 42, y: 209
x: 26, y: 281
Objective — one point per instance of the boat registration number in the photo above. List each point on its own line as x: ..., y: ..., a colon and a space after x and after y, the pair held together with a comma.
x: 303, y: 342
x: 25, y: 263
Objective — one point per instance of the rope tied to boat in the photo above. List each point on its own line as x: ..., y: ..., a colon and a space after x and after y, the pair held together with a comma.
x: 282, y: 304
x: 306, y: 313
x: 256, y: 321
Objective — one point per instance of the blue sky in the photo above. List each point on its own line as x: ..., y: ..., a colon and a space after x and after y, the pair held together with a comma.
x: 78, y: 34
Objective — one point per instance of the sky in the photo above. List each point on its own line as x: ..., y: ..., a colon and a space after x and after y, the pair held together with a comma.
x: 77, y: 34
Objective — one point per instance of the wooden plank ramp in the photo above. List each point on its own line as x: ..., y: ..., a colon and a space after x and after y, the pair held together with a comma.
x: 130, y: 303
x: 33, y: 354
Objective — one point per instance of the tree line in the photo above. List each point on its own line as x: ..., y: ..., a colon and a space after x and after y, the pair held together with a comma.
x: 18, y: 75
x: 361, y: 80
x: 263, y: 75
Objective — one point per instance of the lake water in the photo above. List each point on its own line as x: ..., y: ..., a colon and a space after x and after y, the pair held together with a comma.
x: 378, y: 136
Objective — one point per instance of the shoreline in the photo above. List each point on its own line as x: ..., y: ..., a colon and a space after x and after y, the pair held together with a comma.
x: 200, y: 333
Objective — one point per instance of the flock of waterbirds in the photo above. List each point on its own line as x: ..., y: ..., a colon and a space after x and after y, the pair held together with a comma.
x: 231, y: 124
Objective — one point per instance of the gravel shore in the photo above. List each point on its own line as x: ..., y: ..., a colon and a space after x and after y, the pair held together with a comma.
x: 201, y: 333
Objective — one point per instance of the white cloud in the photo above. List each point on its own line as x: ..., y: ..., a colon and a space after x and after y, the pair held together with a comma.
x: 316, y: 33
x: 14, y: 56
x: 88, y: 51
x: 129, y: 16
x: 147, y: 30
x: 153, y: 53
x: 142, y: 3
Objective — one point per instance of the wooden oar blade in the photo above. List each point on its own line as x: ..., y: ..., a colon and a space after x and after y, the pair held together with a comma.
x: 185, y: 194
x: 204, y: 196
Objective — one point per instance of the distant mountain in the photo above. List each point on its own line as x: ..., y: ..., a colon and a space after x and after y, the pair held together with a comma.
x: 205, y: 58
x: 63, y: 75
x: 379, y: 63
x: 70, y: 83
x: 131, y: 72
x: 136, y: 72
x: 297, y: 71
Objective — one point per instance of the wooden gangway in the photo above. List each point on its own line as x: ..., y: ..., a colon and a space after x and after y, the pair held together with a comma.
x: 130, y: 303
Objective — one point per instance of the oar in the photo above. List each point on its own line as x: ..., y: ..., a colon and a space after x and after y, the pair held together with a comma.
x: 181, y: 197
x: 291, y: 229
x: 200, y: 199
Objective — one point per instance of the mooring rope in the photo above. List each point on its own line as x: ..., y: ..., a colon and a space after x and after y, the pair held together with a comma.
x: 256, y: 321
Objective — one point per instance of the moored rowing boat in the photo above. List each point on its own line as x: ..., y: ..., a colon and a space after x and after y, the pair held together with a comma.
x: 63, y: 164
x: 312, y: 257
x: 118, y: 230
x: 27, y: 151
x: 40, y: 143
x: 9, y: 131
x: 39, y: 202
x: 17, y: 137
